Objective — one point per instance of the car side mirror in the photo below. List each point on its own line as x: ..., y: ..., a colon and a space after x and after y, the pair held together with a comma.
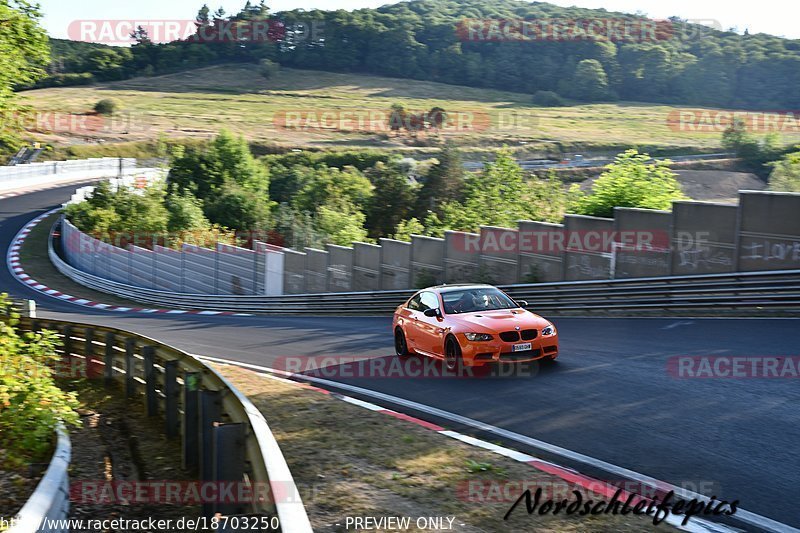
x: 522, y: 303
x: 432, y: 313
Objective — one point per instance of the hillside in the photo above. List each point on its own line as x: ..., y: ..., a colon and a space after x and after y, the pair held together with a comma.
x: 200, y: 102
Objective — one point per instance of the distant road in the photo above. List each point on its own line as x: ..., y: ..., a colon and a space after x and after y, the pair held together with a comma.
x: 544, y: 164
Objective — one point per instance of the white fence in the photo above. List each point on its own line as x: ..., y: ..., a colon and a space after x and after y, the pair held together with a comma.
x: 18, y: 177
x: 192, y: 270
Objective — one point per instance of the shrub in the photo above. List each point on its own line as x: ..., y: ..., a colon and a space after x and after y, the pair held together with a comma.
x: 631, y: 181
x: 268, y: 68
x: 31, y: 405
x: 106, y: 106
x: 547, y: 99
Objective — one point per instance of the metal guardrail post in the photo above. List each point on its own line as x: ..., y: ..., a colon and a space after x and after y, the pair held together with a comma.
x: 88, y: 351
x: 171, y: 398
x: 228, y: 464
x: 151, y: 399
x: 108, y: 371
x: 210, y: 412
x: 130, y: 383
x: 67, y: 341
x: 191, y: 419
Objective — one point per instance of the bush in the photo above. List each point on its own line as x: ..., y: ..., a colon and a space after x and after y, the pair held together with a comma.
x: 106, y: 106
x: 547, y: 99
x: 631, y: 181
x: 268, y: 68
x: 31, y: 405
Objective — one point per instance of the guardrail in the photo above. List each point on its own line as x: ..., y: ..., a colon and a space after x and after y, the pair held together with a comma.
x: 223, y: 435
x: 49, y: 503
x: 751, y: 292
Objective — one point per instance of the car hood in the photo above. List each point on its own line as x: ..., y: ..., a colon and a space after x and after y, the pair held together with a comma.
x: 500, y: 320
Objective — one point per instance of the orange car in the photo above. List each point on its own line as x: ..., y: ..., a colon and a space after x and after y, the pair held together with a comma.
x: 471, y: 325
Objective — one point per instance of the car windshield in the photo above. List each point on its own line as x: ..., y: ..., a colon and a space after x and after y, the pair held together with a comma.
x: 477, y: 299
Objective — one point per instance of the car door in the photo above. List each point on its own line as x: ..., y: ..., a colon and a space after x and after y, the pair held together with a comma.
x: 412, y: 313
x: 430, y: 329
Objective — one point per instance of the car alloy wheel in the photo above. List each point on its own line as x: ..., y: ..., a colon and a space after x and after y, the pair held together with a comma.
x: 452, y: 355
x: 400, y: 346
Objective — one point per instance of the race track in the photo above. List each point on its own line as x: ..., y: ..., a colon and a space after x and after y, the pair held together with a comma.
x: 610, y: 396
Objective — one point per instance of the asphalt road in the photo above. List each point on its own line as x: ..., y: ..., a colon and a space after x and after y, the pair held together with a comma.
x: 611, y: 395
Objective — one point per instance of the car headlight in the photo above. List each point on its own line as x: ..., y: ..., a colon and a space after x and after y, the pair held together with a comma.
x: 549, y: 330
x: 478, y: 336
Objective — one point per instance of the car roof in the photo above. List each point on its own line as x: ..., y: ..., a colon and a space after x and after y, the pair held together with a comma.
x: 457, y: 286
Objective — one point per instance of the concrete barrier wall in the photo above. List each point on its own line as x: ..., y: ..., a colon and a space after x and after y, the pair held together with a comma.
x: 192, y: 270
x: 768, y: 231
x: 294, y: 273
x: 427, y: 261
x: 762, y: 233
x: 366, y: 266
x: 539, y: 261
x: 642, y: 243
x: 340, y: 268
x: 703, y: 238
x: 395, y: 271
x: 499, y: 255
x: 316, y: 271
x: 587, y: 255
x: 461, y: 256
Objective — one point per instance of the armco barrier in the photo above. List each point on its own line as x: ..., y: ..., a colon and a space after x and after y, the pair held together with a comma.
x: 224, y: 437
x: 744, y: 292
x: 49, y: 503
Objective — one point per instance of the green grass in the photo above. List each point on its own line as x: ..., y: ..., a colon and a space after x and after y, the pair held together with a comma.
x: 197, y: 104
x: 36, y: 262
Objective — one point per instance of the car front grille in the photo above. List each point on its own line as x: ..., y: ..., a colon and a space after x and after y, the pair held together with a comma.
x: 529, y: 334
x: 510, y: 336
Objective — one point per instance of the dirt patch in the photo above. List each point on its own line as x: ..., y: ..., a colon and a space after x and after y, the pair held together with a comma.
x: 351, y: 462
x: 718, y: 185
x: 118, y: 442
x: 17, y: 483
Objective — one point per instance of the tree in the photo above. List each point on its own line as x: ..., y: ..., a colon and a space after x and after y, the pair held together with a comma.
x: 106, y: 106
x: 185, y: 212
x: 631, y: 181
x: 392, y: 201
x: 590, y: 82
x: 321, y: 184
x: 236, y: 208
x: 443, y: 183
x: 24, y: 52
x: 785, y: 175
x: 268, y: 68
x: 495, y: 197
x: 754, y: 154
x: 341, y: 222
x: 407, y: 228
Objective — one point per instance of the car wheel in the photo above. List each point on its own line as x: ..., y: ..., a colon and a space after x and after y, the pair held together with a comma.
x: 452, y: 355
x: 400, y: 344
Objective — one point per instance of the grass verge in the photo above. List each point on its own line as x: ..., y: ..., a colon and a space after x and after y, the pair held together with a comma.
x: 349, y: 461
x: 36, y: 263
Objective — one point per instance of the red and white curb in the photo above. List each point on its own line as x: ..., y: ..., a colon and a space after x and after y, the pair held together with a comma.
x: 568, y: 475
x: 17, y: 270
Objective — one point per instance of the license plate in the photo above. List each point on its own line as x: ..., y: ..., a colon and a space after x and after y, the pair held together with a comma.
x: 521, y: 347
